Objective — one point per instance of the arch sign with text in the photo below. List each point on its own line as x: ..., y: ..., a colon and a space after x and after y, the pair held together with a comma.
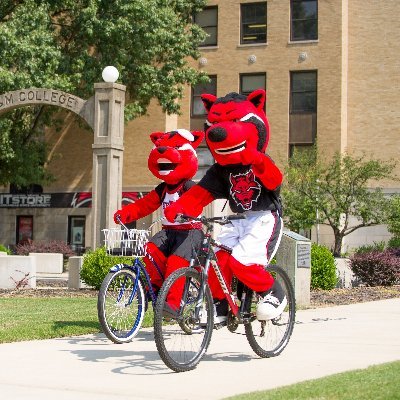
x: 104, y: 113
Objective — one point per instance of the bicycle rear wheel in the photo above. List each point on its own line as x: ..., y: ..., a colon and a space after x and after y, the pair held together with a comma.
x: 121, y: 305
x: 269, y: 338
x: 180, y: 339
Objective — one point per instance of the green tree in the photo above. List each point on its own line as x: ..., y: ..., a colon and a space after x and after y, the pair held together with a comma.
x: 393, y: 221
x: 65, y: 44
x: 338, y: 189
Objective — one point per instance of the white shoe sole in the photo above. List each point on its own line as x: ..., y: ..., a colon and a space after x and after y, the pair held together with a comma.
x: 274, y: 313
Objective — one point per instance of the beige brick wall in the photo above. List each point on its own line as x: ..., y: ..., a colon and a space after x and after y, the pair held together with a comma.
x: 374, y: 76
x: 358, y: 101
x: 71, y: 156
x: 277, y: 58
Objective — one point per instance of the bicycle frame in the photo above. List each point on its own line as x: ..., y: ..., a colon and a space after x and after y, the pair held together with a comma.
x: 207, y: 250
x: 138, y: 267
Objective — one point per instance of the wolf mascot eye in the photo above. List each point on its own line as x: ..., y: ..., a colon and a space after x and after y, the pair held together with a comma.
x: 237, y: 134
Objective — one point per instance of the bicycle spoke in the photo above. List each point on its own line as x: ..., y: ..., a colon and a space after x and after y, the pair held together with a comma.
x: 269, y: 338
x: 121, y: 305
x: 182, y: 341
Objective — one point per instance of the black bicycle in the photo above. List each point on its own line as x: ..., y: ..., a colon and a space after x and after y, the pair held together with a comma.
x: 182, y: 336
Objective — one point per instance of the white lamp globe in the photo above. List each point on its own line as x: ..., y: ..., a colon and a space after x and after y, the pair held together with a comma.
x: 110, y: 74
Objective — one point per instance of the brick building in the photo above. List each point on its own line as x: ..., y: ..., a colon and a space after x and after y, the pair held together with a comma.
x: 330, y: 69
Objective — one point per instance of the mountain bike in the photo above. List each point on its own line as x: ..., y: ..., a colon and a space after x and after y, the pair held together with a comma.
x: 182, y: 349
x: 126, y: 289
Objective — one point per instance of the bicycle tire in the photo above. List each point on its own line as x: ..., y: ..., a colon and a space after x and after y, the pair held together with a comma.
x: 182, y: 342
x: 121, y: 305
x: 273, y: 335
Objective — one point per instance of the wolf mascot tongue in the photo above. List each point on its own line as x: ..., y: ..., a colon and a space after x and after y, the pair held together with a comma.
x: 173, y: 159
x: 237, y: 135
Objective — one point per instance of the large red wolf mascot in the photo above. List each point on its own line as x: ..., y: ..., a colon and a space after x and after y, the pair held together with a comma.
x: 173, y: 159
x: 237, y: 135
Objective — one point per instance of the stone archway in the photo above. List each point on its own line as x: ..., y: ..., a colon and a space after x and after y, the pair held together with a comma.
x: 104, y: 113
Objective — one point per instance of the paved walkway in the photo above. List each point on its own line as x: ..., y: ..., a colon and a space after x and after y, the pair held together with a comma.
x: 325, y: 341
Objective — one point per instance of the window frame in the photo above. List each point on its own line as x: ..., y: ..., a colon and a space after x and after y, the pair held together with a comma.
x: 194, y: 96
x: 19, y: 219
x: 292, y: 20
x: 205, y: 27
x: 241, y: 76
x: 242, y: 23
x: 76, y: 246
x: 292, y: 73
x: 302, y: 123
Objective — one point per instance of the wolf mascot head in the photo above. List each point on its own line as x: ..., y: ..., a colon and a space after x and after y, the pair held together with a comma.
x: 173, y: 157
x: 235, y: 123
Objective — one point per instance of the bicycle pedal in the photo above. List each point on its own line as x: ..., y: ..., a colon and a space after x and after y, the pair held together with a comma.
x: 220, y: 325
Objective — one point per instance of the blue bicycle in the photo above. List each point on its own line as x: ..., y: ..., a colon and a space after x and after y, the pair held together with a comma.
x: 126, y: 290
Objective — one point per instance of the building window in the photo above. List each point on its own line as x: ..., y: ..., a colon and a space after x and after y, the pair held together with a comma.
x: 76, y: 233
x: 303, y: 109
x: 210, y: 87
x: 251, y: 82
x: 304, y: 20
x: 24, y: 229
x: 253, y: 26
x: 197, y: 120
x: 207, y: 19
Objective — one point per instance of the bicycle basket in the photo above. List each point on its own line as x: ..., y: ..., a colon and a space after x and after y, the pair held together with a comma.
x: 126, y: 242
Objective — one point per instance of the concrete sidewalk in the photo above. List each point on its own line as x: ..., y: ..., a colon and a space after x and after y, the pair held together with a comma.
x: 325, y: 341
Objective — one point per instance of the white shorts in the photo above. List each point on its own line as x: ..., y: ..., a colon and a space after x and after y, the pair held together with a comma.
x: 254, y: 240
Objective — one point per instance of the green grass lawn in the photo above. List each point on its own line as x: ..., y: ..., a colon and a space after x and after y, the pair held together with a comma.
x: 50, y: 317
x: 380, y: 382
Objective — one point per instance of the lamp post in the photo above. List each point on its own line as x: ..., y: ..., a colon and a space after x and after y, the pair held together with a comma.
x: 108, y: 146
x: 110, y: 74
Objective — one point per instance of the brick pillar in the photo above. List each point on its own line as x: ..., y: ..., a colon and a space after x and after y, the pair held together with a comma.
x: 109, y: 102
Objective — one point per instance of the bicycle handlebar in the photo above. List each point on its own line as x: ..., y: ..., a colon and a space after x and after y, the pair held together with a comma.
x: 219, y: 220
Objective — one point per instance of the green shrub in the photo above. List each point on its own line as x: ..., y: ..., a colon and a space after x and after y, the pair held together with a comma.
x: 96, y: 265
x: 377, y: 268
x: 394, y: 243
x: 323, y: 268
x: 5, y: 249
x: 368, y: 248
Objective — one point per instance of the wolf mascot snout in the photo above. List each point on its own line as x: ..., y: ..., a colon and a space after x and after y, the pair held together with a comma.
x: 237, y: 135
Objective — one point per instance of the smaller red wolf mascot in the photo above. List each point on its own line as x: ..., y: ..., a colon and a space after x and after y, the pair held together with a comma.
x: 237, y: 135
x: 173, y: 159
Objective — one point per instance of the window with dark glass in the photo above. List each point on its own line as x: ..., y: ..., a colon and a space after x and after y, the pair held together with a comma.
x: 253, y: 27
x: 76, y: 232
x: 303, y: 108
x: 304, y: 20
x: 24, y: 227
x: 251, y: 82
x: 210, y: 87
x: 197, y: 120
x: 207, y: 19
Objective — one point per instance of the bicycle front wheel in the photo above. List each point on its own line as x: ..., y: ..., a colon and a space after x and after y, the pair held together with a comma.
x: 269, y: 338
x: 182, y: 338
x: 121, y: 305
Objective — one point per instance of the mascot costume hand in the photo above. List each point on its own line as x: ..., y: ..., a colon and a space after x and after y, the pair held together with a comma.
x: 173, y: 160
x: 237, y: 136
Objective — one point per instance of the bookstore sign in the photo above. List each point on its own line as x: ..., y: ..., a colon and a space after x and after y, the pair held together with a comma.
x: 57, y: 200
